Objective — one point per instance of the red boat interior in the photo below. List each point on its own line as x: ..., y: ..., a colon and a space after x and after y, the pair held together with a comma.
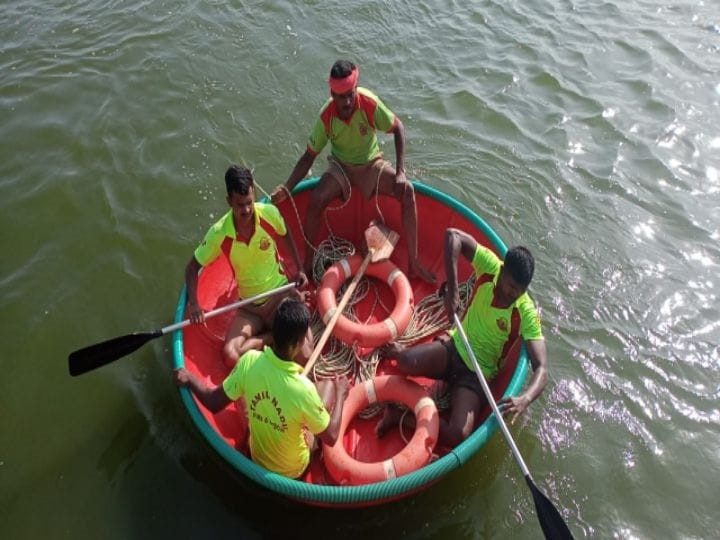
x: 203, y: 344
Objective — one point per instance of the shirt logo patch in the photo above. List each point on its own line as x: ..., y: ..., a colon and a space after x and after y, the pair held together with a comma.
x: 502, y: 325
x: 363, y: 129
x: 264, y: 244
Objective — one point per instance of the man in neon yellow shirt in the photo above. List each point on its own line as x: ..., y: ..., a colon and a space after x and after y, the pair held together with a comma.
x: 350, y: 120
x: 245, y: 236
x: 499, y: 312
x: 284, y: 408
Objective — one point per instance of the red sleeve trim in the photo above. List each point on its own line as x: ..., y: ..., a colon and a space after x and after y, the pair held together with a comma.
x: 514, y: 332
x: 368, y: 105
x: 268, y: 228
x: 326, y: 117
x: 226, y: 246
x: 481, y: 280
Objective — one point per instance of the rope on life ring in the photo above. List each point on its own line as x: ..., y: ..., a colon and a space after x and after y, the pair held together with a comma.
x: 346, y: 470
x: 366, y: 335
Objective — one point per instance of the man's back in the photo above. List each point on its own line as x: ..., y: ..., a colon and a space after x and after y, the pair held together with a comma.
x: 280, y: 402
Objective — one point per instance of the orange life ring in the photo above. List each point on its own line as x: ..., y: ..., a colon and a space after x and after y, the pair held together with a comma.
x: 346, y: 470
x: 366, y: 335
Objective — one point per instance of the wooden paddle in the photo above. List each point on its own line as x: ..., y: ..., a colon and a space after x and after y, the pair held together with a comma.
x: 95, y: 356
x: 380, y: 242
x: 552, y: 523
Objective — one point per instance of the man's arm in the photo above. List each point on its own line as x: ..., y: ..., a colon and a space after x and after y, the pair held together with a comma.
x: 330, y: 434
x: 300, y: 277
x: 213, y: 398
x: 538, y: 359
x: 456, y: 242
x: 399, y: 136
x: 191, y: 281
x: 302, y: 167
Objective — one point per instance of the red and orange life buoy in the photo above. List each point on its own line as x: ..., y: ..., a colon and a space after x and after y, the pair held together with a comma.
x: 366, y: 335
x: 346, y: 470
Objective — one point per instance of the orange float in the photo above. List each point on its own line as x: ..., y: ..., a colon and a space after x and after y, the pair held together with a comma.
x: 366, y: 335
x: 346, y: 470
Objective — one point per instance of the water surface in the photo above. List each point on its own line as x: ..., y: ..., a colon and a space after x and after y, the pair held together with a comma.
x: 587, y: 131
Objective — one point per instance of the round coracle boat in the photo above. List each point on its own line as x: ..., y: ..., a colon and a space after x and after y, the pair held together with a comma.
x: 361, y: 469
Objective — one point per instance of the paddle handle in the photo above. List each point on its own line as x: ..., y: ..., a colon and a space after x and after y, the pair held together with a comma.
x: 490, y: 399
x: 229, y: 307
x: 338, y: 312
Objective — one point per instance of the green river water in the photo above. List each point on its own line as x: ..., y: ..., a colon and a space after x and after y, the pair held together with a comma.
x: 589, y: 131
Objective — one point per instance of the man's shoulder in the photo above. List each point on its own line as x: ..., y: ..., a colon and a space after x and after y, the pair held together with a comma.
x: 486, y: 260
x: 306, y: 383
x: 248, y: 360
x: 265, y: 208
x: 526, y: 306
x: 365, y: 93
x: 326, y: 107
x: 221, y: 226
x: 270, y: 214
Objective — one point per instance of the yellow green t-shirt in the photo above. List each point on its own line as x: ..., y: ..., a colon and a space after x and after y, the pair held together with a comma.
x: 281, y: 403
x: 491, y: 330
x: 352, y: 141
x: 254, y: 260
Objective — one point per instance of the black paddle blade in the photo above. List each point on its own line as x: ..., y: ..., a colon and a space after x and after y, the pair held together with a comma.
x: 95, y: 356
x: 552, y: 523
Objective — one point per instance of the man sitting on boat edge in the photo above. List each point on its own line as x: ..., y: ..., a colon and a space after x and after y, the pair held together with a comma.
x: 350, y: 120
x: 499, y: 312
x: 243, y: 234
x: 284, y: 408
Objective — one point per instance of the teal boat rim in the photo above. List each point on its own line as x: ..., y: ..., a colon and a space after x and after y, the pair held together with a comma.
x: 364, y: 494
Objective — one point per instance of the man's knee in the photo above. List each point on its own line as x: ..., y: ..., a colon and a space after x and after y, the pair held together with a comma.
x: 454, y: 435
x: 405, y: 192
x: 326, y: 190
x: 404, y: 364
x: 408, y: 363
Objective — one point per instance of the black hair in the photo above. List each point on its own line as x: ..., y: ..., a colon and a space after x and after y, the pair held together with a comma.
x: 238, y: 180
x: 341, y: 69
x: 521, y: 265
x: 292, y: 320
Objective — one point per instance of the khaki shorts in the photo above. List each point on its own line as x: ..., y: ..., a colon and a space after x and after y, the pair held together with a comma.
x: 365, y: 177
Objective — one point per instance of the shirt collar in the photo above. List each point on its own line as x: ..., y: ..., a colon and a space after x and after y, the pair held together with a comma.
x: 285, y: 365
x: 230, y: 230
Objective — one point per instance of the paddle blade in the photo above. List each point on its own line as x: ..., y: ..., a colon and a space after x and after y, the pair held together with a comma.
x: 552, y: 523
x: 380, y: 241
x: 95, y: 356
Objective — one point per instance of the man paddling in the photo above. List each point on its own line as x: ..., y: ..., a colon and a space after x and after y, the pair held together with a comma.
x: 499, y: 312
x: 349, y: 120
x: 245, y: 236
x: 284, y: 408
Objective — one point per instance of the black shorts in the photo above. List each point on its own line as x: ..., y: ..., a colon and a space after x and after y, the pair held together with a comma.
x: 457, y: 372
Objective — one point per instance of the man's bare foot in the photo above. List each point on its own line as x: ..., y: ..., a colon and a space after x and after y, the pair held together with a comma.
x: 392, y: 415
x: 419, y: 271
